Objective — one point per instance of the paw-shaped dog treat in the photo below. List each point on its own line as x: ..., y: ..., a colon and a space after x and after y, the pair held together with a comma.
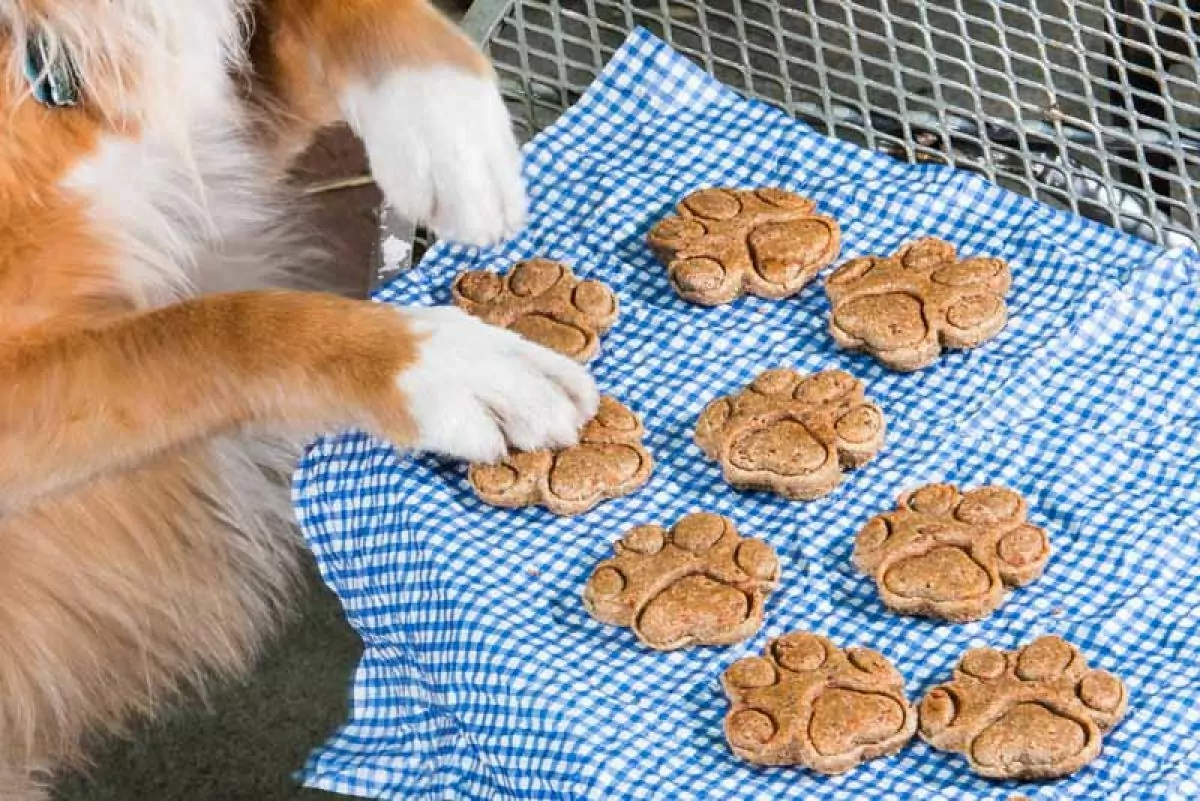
x: 808, y: 702
x: 723, y: 242
x: 609, y: 461
x: 543, y: 301
x: 951, y: 556
x: 903, y: 309
x: 1034, y: 713
x: 791, y: 434
x: 698, y: 584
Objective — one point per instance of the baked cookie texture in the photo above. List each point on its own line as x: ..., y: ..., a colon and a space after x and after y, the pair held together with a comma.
x: 905, y: 308
x: 1037, y: 712
x: 722, y: 243
x: 806, y: 701
x: 543, y: 301
x: 609, y: 461
x: 792, y: 434
x: 951, y: 555
x: 698, y: 584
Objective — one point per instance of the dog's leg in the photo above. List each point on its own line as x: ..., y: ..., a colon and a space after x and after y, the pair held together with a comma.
x: 421, y: 96
x: 73, y: 406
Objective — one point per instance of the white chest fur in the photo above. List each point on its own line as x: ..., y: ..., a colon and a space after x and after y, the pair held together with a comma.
x: 186, y: 201
x: 196, y: 216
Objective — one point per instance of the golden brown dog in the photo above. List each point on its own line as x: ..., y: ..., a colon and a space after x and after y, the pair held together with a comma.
x: 149, y: 379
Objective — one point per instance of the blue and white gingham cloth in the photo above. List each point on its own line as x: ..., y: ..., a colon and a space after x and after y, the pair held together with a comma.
x: 483, y: 677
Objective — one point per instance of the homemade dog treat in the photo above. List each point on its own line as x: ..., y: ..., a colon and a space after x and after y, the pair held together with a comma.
x: 697, y: 584
x: 723, y: 242
x: 543, y: 301
x: 609, y: 461
x: 792, y: 434
x: 903, y: 309
x: 948, y: 555
x: 1034, y: 713
x: 807, y: 702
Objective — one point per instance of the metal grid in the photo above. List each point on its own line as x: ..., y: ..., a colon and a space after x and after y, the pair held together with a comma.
x: 1089, y: 105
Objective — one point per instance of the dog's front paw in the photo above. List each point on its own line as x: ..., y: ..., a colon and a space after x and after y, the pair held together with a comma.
x: 442, y: 149
x: 475, y: 389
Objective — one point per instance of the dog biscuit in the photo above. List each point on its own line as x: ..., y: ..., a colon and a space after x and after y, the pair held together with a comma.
x: 1034, y: 713
x: 903, y: 309
x: 609, y: 461
x: 722, y: 243
x: 697, y: 584
x: 792, y: 434
x: 543, y: 301
x: 951, y: 555
x: 807, y: 702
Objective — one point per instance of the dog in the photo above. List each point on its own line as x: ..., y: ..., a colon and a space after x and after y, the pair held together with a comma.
x: 154, y: 386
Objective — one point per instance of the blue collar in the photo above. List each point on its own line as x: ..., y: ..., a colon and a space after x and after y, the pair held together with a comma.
x: 53, y: 80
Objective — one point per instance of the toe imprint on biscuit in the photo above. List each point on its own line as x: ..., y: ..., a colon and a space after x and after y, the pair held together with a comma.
x: 905, y: 308
x: 1037, y: 712
x: 544, y: 302
x: 726, y: 242
x: 951, y: 555
x: 807, y: 702
x: 698, y: 584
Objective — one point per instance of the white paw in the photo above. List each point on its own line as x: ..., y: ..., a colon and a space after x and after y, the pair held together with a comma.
x: 442, y: 149
x: 476, y: 389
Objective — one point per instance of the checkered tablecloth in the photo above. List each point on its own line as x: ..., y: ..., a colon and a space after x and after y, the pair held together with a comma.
x: 483, y: 677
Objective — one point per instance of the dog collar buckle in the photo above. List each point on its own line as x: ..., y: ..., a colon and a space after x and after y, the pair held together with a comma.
x: 53, y: 80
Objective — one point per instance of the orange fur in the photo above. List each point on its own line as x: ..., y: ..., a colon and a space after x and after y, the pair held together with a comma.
x: 204, y: 367
x: 304, y: 52
x: 131, y: 566
x: 53, y: 271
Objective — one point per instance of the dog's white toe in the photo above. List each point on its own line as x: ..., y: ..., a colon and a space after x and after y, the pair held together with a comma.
x: 477, y: 389
x: 441, y: 147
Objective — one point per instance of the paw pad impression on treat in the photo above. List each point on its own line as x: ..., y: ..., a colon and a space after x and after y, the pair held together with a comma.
x: 1034, y: 713
x: 609, y: 461
x: 951, y: 555
x: 544, y: 302
x: 903, y: 309
x: 807, y: 702
x: 698, y: 584
x: 725, y: 242
x: 792, y: 434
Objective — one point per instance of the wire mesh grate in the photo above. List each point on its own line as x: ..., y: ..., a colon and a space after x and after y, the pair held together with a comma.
x: 1089, y: 105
